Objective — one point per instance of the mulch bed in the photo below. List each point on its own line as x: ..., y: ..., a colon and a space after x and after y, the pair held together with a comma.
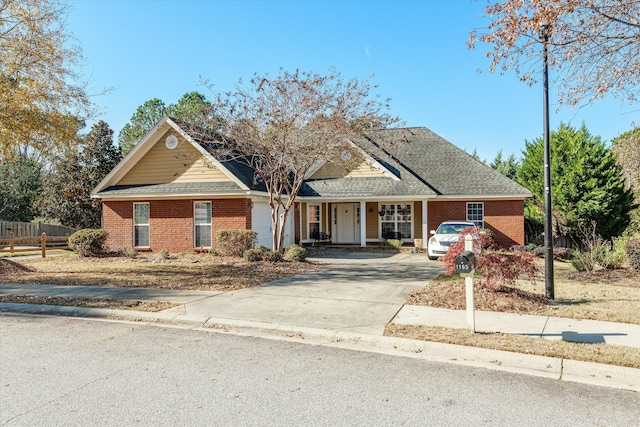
x: 197, y: 272
x: 451, y: 294
x: 151, y: 306
x: 619, y: 277
x: 10, y: 268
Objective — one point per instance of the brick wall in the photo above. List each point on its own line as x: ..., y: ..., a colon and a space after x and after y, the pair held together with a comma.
x: 171, y: 222
x: 231, y: 214
x: 117, y: 219
x: 505, y: 218
x: 171, y: 225
x: 441, y: 211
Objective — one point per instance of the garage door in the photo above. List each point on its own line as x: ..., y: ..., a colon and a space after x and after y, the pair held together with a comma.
x: 261, y: 222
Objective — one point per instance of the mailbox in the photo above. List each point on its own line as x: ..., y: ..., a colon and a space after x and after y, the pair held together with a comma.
x: 466, y: 263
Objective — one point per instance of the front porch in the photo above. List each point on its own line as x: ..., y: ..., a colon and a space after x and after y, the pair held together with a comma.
x: 361, y: 224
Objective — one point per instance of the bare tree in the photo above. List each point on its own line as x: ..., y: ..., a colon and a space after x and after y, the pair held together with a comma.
x: 594, y: 45
x: 284, y: 126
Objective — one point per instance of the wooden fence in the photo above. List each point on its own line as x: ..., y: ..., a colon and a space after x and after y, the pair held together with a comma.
x: 33, y: 229
x: 13, y: 244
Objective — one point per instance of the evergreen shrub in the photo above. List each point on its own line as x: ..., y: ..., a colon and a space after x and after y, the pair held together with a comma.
x: 89, y: 242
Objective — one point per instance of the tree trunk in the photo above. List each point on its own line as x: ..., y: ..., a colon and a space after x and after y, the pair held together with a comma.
x: 275, y: 231
x: 283, y: 223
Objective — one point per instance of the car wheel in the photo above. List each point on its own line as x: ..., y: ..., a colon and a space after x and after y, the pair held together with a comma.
x: 433, y: 258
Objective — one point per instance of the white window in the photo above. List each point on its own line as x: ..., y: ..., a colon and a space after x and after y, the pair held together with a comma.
x: 475, y: 213
x: 141, y: 225
x: 202, y: 224
x: 396, y: 221
x: 313, y: 218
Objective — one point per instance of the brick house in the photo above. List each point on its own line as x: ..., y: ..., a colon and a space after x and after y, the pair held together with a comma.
x: 171, y: 192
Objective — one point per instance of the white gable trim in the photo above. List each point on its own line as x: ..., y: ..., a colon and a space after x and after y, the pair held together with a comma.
x: 315, y: 167
x: 145, y: 144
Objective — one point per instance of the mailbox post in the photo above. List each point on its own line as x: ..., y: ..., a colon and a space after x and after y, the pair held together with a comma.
x: 465, y: 266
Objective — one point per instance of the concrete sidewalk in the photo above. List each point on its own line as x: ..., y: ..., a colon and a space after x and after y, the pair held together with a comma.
x: 554, y: 328
x: 290, y: 303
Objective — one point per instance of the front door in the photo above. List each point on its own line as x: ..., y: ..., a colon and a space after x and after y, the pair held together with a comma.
x: 347, y: 217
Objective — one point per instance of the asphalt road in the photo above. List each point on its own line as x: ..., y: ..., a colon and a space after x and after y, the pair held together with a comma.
x: 77, y: 372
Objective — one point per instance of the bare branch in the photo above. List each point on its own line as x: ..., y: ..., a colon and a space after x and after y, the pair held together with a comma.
x: 282, y: 126
x: 594, y: 47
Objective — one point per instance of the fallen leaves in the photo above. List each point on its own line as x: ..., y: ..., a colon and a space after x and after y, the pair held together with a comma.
x: 451, y: 294
x: 196, y: 272
x: 149, y: 306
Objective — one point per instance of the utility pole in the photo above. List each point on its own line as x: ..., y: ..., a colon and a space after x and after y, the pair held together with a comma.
x: 548, y: 226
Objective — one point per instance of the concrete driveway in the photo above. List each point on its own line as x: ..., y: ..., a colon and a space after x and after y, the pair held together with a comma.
x: 351, y: 291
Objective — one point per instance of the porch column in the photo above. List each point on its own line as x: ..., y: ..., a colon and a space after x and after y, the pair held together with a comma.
x: 363, y: 224
x: 425, y: 224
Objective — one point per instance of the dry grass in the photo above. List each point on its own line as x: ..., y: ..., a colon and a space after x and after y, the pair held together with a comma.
x: 4, y: 253
x: 598, y: 353
x: 151, y: 306
x: 199, y: 272
x: 612, y: 296
x: 607, y: 295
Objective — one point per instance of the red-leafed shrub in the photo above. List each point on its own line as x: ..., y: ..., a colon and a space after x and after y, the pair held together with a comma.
x: 481, y: 241
x: 502, y: 268
x: 497, y: 267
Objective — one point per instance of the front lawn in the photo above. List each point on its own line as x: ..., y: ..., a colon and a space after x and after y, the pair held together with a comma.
x: 151, y: 306
x: 610, y: 295
x: 196, y: 272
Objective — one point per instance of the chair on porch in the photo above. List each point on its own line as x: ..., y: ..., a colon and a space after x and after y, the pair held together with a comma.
x: 392, y: 235
x: 321, y: 237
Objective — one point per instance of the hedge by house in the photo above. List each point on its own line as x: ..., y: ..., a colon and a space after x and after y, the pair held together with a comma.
x: 88, y: 241
x: 234, y: 242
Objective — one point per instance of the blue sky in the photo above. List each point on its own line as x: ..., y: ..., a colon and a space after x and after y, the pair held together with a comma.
x: 416, y: 50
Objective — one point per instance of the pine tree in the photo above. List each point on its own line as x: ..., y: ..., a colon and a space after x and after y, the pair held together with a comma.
x: 508, y: 167
x: 193, y: 108
x: 68, y: 186
x: 587, y: 183
x: 19, y: 188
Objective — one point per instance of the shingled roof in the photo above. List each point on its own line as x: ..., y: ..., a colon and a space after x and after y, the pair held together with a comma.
x: 420, y: 164
x: 207, y: 140
x: 427, y: 165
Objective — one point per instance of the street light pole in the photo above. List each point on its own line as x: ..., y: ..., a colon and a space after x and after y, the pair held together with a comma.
x: 548, y: 229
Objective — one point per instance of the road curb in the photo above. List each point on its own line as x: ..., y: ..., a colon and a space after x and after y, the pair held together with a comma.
x: 601, y: 374
x: 541, y: 366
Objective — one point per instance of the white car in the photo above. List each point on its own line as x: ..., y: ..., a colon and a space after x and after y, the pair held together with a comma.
x: 447, y: 234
